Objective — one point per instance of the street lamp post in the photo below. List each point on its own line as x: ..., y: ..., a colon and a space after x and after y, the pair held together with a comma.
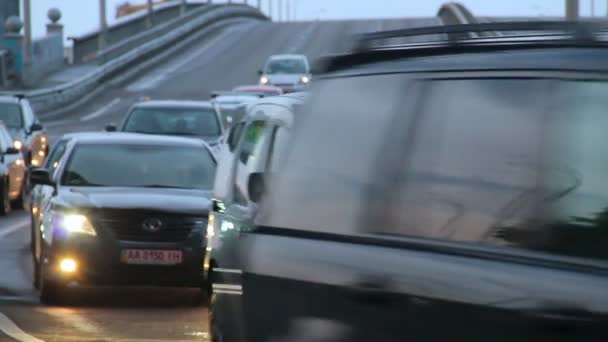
x: 571, y: 9
x: 27, y: 24
x: 150, y: 19
x: 280, y: 15
x: 270, y: 9
x: 183, y: 7
x: 287, y: 10
x: 103, y: 25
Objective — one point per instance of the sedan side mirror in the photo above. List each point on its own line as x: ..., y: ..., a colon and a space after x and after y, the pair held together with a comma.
x: 260, y: 72
x: 36, y: 127
x: 40, y: 177
x: 12, y: 150
x: 256, y: 186
x: 111, y: 128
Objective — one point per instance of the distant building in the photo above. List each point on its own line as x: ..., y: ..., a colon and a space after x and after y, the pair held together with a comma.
x: 127, y: 8
x: 7, y: 9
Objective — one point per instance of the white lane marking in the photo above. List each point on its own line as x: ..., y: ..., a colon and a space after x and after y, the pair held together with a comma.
x: 227, y: 270
x: 101, y: 110
x: 11, y: 329
x: 153, y: 79
x: 228, y: 287
x: 14, y: 227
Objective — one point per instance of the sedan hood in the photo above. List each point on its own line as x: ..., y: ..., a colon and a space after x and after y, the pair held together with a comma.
x: 180, y: 201
x: 285, y: 78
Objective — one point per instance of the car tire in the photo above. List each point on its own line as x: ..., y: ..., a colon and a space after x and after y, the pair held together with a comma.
x: 50, y: 291
x: 5, y: 202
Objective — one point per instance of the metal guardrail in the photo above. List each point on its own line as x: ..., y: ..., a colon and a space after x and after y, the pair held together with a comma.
x: 86, y: 46
x: 126, y: 45
x: 44, y: 100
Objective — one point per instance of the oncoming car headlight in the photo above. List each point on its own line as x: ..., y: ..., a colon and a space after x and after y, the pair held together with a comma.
x: 73, y: 224
x: 305, y: 79
x: 264, y: 80
x: 18, y: 144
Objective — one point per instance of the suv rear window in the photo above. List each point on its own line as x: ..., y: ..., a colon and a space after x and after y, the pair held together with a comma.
x: 325, y: 180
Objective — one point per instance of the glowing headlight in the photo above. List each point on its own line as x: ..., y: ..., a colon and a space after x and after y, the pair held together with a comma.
x: 264, y: 80
x: 18, y: 144
x: 305, y: 79
x: 75, y: 224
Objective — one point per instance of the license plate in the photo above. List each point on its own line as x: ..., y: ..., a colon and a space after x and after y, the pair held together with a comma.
x: 151, y: 257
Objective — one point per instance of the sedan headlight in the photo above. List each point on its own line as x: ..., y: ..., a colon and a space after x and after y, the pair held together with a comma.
x: 305, y: 79
x: 18, y: 144
x: 74, y: 224
x: 264, y: 80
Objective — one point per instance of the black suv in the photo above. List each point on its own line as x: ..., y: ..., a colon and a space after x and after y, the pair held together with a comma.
x: 453, y: 190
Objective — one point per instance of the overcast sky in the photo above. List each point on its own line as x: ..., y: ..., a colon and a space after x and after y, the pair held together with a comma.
x: 80, y: 16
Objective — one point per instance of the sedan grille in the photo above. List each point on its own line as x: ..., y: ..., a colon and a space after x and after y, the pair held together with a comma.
x: 129, y: 225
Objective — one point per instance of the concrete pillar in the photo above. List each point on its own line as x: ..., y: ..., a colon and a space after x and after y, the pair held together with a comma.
x: 8, y: 8
x: 572, y: 9
x: 14, y: 41
x: 54, y: 27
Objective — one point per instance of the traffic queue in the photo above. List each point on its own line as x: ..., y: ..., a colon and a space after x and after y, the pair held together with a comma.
x: 133, y: 205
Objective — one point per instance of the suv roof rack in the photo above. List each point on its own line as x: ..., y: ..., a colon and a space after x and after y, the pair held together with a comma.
x: 574, y: 30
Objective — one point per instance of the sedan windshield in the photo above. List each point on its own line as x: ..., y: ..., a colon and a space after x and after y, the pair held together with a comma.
x: 10, y: 114
x: 198, y: 122
x: 286, y: 66
x: 140, y: 166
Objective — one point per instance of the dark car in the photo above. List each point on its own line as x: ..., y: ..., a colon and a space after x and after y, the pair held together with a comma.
x: 125, y: 210
x: 198, y: 119
x: 26, y: 131
x: 462, y: 197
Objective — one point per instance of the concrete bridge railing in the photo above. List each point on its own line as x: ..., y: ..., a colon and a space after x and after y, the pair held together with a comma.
x: 166, y: 15
x: 49, y: 99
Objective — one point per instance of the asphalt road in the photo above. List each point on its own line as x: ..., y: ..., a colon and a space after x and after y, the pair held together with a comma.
x: 228, y: 58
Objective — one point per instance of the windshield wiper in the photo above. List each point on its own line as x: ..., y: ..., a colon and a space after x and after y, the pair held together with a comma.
x: 160, y: 186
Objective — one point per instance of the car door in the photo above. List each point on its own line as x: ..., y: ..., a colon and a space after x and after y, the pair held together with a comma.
x: 41, y: 194
x: 306, y: 262
x: 37, y: 140
x: 502, y: 243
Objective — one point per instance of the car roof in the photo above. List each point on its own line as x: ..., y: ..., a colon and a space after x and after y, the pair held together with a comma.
x: 173, y: 104
x: 132, y: 138
x: 286, y: 117
x: 256, y: 87
x: 287, y: 56
x: 551, y: 46
x: 234, y: 99
x: 9, y: 99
